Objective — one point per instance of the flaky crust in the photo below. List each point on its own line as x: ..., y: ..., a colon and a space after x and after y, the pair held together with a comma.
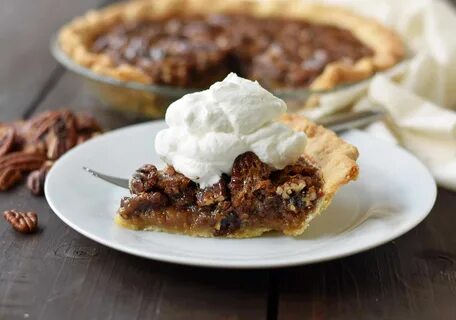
x: 75, y: 37
x: 335, y: 158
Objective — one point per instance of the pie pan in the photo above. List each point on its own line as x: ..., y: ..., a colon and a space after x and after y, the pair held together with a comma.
x: 152, y: 100
x: 126, y: 86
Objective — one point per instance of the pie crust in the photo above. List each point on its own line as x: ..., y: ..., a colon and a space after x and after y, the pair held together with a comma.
x: 388, y: 49
x: 334, y: 159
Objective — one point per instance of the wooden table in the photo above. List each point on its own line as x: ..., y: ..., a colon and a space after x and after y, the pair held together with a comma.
x: 59, y: 274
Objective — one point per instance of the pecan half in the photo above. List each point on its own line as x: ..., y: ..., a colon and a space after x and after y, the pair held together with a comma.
x: 7, y: 139
x: 21, y: 161
x: 9, y: 177
x: 36, y: 179
x: 24, y: 222
x: 86, y: 123
x: 38, y: 147
x: 144, y: 179
x: 62, y: 136
x: 55, y: 145
x: 40, y: 125
x: 83, y: 137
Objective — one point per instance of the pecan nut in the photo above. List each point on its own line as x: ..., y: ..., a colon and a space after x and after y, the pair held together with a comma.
x: 86, y: 123
x: 38, y: 147
x: 40, y: 125
x: 55, y: 145
x: 7, y: 139
x: 144, y: 179
x: 212, y: 195
x: 83, y: 137
x: 24, y: 222
x: 9, y: 177
x: 36, y: 179
x: 21, y: 161
x: 62, y: 136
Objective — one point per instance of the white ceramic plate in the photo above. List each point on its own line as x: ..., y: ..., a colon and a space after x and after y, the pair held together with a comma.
x: 392, y: 195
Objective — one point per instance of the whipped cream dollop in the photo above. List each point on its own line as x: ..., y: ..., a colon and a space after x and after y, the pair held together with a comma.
x: 209, y: 129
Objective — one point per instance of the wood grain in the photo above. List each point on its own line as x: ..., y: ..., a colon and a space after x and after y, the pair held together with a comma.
x: 26, y: 67
x: 71, y: 92
x: 413, y: 277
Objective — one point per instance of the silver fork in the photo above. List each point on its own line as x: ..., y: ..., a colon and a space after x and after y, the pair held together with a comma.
x: 124, y: 183
x: 336, y: 123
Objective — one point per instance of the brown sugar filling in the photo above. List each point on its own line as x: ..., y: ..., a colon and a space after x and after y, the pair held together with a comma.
x: 255, y: 196
x: 196, y: 51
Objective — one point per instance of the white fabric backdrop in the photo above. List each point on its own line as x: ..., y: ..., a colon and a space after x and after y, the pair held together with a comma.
x: 419, y: 94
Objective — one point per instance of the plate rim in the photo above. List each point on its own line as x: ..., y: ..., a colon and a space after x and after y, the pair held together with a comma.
x: 204, y: 262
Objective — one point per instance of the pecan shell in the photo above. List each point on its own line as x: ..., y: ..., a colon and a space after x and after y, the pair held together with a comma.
x: 24, y: 222
x: 9, y: 177
x: 7, y: 139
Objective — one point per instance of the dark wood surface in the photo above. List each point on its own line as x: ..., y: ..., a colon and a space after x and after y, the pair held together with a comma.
x: 59, y: 274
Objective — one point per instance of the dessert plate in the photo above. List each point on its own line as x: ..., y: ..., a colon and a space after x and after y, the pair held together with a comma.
x: 384, y: 203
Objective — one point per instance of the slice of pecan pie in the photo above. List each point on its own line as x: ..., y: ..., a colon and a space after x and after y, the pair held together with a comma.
x: 254, y: 199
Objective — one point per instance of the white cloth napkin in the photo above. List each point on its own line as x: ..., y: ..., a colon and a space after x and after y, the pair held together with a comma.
x: 420, y: 94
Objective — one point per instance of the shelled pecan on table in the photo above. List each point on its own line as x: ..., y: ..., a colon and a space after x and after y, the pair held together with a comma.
x: 9, y: 177
x: 30, y: 147
x: 36, y: 179
x: 7, y: 139
x: 24, y: 222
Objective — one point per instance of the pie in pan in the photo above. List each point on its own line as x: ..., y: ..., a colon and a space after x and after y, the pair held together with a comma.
x: 192, y: 43
x: 254, y: 199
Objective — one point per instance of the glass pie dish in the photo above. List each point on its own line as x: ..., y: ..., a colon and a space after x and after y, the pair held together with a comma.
x: 139, y: 56
x: 152, y: 100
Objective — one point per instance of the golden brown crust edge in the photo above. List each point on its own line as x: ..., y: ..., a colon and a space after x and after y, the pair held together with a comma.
x: 387, y: 46
x: 335, y: 158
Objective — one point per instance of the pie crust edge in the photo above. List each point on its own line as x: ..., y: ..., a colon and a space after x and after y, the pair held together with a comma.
x: 388, y: 48
x: 335, y: 158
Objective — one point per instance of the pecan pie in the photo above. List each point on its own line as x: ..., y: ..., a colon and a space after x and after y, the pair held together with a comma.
x: 282, y: 44
x: 254, y: 199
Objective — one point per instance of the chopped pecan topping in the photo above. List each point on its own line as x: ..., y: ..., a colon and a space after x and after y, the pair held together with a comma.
x: 143, y: 203
x: 144, y: 179
x: 7, y: 139
x: 248, y: 176
x: 288, y: 188
x: 213, y: 194
x: 9, y: 177
x: 180, y: 189
x: 256, y: 196
x: 24, y: 222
